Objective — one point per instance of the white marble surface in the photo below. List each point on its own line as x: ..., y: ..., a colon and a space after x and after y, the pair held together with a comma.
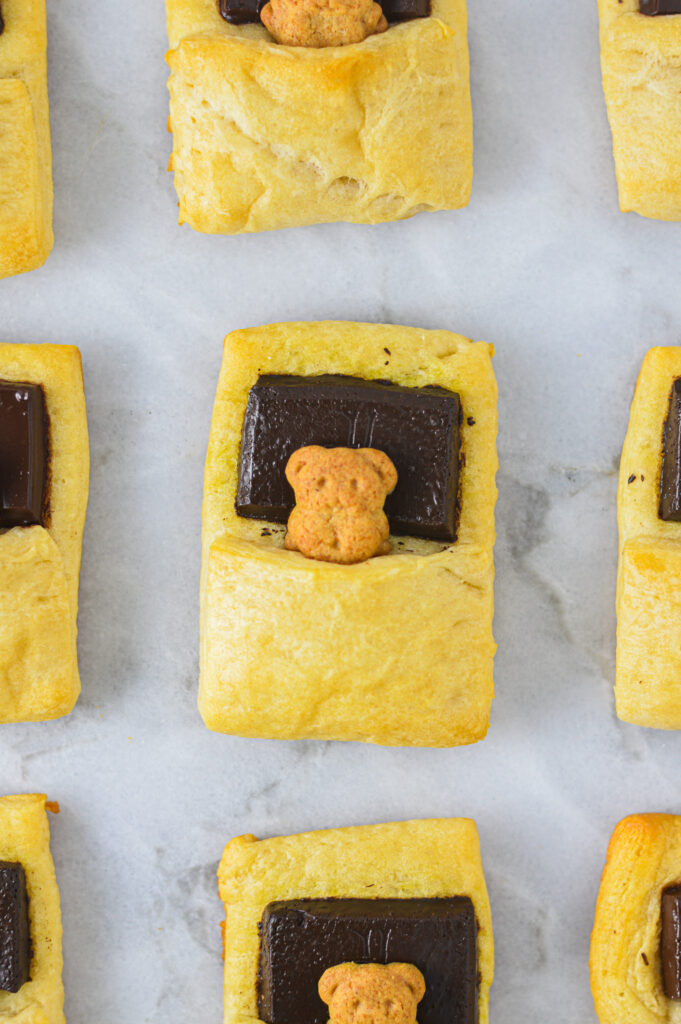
x: 571, y: 292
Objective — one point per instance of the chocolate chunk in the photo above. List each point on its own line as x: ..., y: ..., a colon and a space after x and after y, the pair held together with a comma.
x: 670, y: 478
x: 418, y: 428
x: 2, y: 22
x: 15, y: 935
x: 300, y: 939
x: 670, y: 942
x: 23, y: 454
x: 660, y: 6
x: 405, y: 10
x: 240, y: 12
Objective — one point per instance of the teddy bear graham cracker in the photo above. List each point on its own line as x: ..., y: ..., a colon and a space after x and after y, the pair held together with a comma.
x: 271, y: 134
x: 338, y: 515
x: 372, y: 993
x: 396, y: 649
x: 391, y: 925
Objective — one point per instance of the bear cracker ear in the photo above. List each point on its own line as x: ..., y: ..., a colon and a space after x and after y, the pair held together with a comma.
x: 330, y: 980
x: 296, y: 463
x: 412, y: 978
x: 383, y: 465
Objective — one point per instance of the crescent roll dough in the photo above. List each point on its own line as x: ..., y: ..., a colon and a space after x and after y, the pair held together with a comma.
x: 25, y: 155
x: 268, y: 136
x: 402, y: 860
x: 648, y: 672
x: 641, y: 63
x: 396, y: 650
x: 39, y: 566
x: 644, y: 857
x: 25, y: 839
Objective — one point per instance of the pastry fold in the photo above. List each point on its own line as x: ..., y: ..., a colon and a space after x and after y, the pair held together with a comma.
x: 403, y: 860
x: 25, y: 155
x: 644, y: 857
x: 25, y: 838
x: 397, y: 650
x: 40, y: 565
x: 641, y: 64
x: 268, y: 136
x: 648, y: 665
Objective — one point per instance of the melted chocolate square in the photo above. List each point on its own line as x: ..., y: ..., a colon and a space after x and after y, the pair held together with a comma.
x: 670, y: 479
x: 670, y: 941
x: 405, y: 10
x: 15, y: 936
x: 300, y: 939
x: 660, y: 7
x: 417, y: 427
x: 23, y: 454
x: 241, y: 12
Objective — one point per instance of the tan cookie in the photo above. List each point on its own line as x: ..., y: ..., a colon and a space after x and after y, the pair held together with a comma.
x: 340, y: 492
x: 322, y: 22
x: 372, y: 993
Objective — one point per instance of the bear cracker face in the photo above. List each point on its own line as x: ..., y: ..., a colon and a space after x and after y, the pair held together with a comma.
x: 324, y: 478
x: 340, y: 492
x: 372, y: 993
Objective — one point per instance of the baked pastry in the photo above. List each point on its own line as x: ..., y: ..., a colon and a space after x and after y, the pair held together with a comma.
x: 43, y: 495
x: 642, y: 83
x: 411, y: 892
x: 31, y: 990
x: 636, y: 940
x: 648, y: 672
x: 25, y: 154
x: 394, y: 650
x: 251, y: 120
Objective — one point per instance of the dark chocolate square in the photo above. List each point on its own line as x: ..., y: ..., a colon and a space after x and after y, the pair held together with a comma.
x: 300, y: 939
x: 419, y: 428
x: 660, y: 7
x: 670, y: 478
x: 405, y: 10
x: 15, y: 936
x: 23, y: 454
x: 670, y: 941
x: 241, y: 12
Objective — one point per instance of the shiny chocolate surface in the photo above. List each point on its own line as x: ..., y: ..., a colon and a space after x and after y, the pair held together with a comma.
x: 15, y: 936
x: 653, y: 7
x: 241, y: 12
x: 670, y: 941
x: 419, y: 428
x: 300, y: 939
x: 23, y: 454
x: 406, y: 10
x: 670, y: 477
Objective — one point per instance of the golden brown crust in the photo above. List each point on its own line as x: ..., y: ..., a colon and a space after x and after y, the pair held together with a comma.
x: 648, y: 670
x: 252, y: 149
x: 641, y: 63
x: 432, y: 858
x: 40, y: 567
x: 25, y: 154
x: 25, y: 838
x: 644, y: 856
x: 279, y: 650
